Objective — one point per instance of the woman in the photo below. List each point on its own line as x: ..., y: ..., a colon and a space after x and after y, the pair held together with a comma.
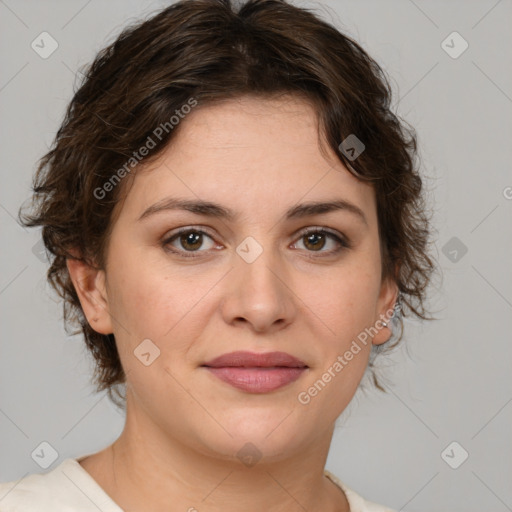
x: 235, y: 218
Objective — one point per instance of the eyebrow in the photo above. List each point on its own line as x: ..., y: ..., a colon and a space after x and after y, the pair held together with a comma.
x: 210, y: 209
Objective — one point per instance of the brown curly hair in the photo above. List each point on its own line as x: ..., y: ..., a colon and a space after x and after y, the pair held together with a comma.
x: 213, y: 50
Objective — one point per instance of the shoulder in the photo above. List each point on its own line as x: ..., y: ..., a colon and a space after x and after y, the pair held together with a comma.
x: 356, y: 502
x: 68, y: 487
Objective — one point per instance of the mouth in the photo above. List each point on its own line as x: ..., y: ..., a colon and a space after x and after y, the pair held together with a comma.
x: 256, y: 373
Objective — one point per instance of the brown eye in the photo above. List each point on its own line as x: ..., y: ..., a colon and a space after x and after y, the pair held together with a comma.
x: 191, y: 240
x: 187, y: 241
x: 315, y: 240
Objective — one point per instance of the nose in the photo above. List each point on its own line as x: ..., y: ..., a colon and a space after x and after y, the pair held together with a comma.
x: 260, y: 294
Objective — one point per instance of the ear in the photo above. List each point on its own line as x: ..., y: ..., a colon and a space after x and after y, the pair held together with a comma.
x: 385, y: 304
x: 90, y: 287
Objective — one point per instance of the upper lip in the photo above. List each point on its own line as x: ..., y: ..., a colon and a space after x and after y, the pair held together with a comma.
x: 253, y: 359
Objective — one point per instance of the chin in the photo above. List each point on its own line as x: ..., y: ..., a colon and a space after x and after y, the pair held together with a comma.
x: 257, y: 433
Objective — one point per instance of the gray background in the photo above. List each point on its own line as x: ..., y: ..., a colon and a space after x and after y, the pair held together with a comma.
x: 449, y: 382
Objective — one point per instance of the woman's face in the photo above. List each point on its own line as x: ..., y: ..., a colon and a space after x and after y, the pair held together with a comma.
x: 252, y: 281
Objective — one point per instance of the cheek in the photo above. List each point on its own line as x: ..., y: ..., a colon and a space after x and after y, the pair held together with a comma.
x: 347, y: 307
x: 152, y: 300
x: 346, y: 301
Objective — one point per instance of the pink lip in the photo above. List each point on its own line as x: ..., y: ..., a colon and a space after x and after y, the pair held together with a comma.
x: 256, y: 373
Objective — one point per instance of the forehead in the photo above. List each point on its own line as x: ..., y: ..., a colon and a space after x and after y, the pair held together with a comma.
x: 257, y: 155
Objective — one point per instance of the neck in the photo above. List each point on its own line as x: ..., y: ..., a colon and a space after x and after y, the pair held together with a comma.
x: 146, y: 469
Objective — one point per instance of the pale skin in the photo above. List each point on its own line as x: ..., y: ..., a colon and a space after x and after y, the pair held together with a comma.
x: 184, y: 427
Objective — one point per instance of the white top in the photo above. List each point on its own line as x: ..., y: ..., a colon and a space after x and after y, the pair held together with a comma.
x: 70, y: 488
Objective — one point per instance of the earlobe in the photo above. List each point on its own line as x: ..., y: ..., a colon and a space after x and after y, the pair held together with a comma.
x: 90, y: 287
x: 389, y: 295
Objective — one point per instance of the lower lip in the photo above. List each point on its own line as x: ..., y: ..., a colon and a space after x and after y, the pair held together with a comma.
x: 257, y: 380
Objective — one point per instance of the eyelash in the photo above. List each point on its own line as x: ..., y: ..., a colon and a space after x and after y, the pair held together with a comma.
x: 342, y: 241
